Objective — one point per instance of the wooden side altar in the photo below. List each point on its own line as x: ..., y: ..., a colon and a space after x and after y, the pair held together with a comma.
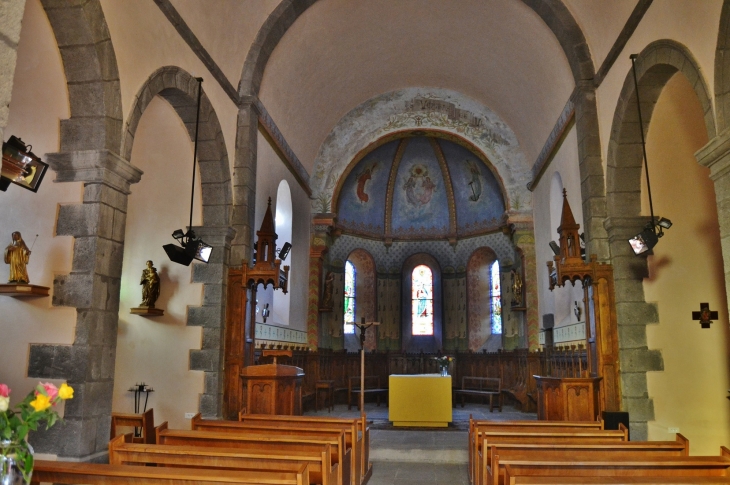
x: 597, y: 388
x: 568, y: 399
x: 273, y: 389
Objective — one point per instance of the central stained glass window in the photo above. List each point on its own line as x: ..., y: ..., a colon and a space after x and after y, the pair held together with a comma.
x: 349, y: 313
x: 422, y: 300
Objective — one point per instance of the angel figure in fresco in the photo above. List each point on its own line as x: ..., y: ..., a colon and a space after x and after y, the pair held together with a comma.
x: 150, y: 286
x: 17, y: 255
x: 362, y: 179
x: 475, y: 183
x: 419, y: 187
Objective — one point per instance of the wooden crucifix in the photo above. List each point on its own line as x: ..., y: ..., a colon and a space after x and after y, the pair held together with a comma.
x: 363, y: 325
x: 705, y: 315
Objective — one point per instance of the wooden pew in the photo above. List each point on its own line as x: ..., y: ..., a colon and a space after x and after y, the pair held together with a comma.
x: 484, y: 438
x: 498, y: 456
x: 97, y: 474
x: 146, y: 421
x: 264, y: 441
x: 507, y: 425
x: 348, y: 452
x: 359, y: 435
x: 372, y: 386
x: 122, y: 451
x: 598, y: 480
x: 686, y: 466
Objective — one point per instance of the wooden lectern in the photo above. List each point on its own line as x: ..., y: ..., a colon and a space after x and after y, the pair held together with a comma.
x: 273, y: 388
x: 568, y: 398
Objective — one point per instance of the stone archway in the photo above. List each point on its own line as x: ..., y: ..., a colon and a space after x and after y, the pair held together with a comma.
x: 722, y: 71
x: 180, y: 89
x: 90, y: 143
x: 655, y: 65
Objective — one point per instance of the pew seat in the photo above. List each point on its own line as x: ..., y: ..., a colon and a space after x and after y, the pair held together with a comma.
x: 98, y: 474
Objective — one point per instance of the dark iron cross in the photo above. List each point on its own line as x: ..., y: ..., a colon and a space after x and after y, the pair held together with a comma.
x: 705, y: 315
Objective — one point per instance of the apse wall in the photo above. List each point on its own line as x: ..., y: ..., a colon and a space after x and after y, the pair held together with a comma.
x: 685, y: 270
x: 39, y: 101
x: 155, y: 350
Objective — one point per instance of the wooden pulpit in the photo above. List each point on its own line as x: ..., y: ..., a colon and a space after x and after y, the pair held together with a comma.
x: 272, y: 389
x: 568, y: 398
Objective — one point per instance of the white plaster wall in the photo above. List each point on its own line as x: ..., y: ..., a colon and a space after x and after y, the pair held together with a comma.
x: 689, y: 22
x: 35, y: 111
x: 686, y: 269
x: 271, y: 171
x: 339, y: 54
x: 156, y: 350
x: 565, y: 163
x: 144, y: 40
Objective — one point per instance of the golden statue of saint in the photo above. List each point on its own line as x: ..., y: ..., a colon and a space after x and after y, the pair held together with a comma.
x: 517, y: 297
x: 17, y: 256
x: 150, y: 286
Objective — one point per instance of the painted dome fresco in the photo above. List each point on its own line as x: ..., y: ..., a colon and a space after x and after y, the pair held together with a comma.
x: 420, y: 187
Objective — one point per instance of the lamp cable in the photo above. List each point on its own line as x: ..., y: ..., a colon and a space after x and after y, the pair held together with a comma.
x: 195, y: 148
x: 643, y: 141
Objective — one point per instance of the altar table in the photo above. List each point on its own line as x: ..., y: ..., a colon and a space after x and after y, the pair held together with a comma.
x: 420, y: 400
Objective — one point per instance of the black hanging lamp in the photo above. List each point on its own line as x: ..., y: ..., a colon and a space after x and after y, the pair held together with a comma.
x: 649, y: 236
x: 190, y: 247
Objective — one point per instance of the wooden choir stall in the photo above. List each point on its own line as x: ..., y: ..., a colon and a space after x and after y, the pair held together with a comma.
x: 595, y: 388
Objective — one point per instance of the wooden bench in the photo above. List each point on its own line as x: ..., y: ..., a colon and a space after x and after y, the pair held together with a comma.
x: 372, y: 386
x: 523, y: 424
x: 122, y: 451
x: 356, y: 431
x: 97, y: 474
x: 348, y: 431
x: 265, y: 441
x: 145, y: 421
x: 686, y: 466
x: 481, y: 387
x: 483, y: 439
x: 501, y: 455
x: 599, y: 480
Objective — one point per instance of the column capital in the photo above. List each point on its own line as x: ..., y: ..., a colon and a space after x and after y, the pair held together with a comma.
x: 94, y: 167
x: 716, y: 155
x: 216, y: 235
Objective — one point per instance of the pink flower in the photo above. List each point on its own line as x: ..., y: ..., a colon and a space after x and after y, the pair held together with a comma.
x: 4, y: 390
x: 51, y: 390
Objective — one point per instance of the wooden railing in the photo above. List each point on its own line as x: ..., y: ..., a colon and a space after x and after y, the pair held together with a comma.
x: 515, y: 368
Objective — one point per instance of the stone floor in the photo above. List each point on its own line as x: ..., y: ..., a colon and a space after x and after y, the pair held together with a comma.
x: 410, y: 456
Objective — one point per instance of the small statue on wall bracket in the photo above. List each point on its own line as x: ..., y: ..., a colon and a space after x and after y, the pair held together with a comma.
x: 577, y: 310
x: 327, y: 302
x: 17, y: 255
x: 150, y: 282
x: 517, y: 297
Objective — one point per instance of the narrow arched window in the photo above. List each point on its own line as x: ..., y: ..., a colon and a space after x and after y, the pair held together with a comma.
x: 496, y: 295
x: 422, y: 300
x: 349, y: 313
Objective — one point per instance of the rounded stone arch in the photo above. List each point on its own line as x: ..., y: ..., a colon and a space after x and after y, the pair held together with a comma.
x: 180, y: 89
x: 722, y: 71
x: 421, y: 343
x: 655, y: 65
x: 92, y: 76
x: 479, y: 305
x: 365, y: 293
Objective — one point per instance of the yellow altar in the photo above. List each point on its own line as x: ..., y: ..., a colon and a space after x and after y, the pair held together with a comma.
x: 420, y: 400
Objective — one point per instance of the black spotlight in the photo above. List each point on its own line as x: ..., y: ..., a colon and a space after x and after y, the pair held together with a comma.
x: 554, y: 246
x: 284, y: 251
x: 190, y: 248
x: 645, y: 240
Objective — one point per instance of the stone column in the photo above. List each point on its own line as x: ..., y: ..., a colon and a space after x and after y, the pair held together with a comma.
x: 593, y: 193
x: 524, y: 238
x: 716, y: 156
x: 244, y: 181
x: 211, y: 315
x: 633, y: 315
x: 322, y: 223
x: 11, y: 15
x: 97, y: 226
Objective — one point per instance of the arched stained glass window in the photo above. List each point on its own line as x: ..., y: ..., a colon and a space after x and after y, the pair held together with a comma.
x: 496, y: 295
x: 349, y: 313
x: 422, y: 300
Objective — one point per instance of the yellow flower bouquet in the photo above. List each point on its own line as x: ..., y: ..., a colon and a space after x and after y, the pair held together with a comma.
x: 38, y: 407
